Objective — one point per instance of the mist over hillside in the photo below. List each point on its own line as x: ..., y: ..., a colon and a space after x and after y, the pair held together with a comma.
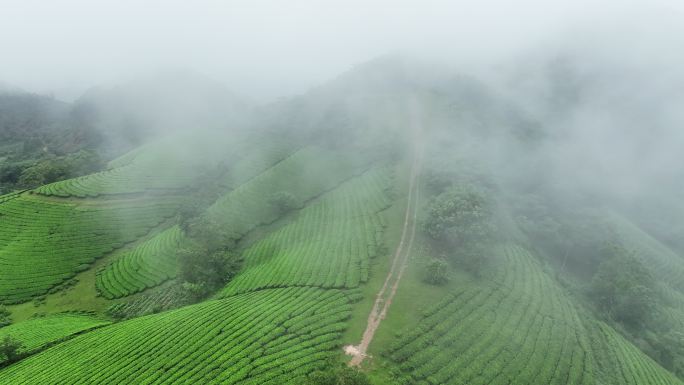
x: 364, y: 194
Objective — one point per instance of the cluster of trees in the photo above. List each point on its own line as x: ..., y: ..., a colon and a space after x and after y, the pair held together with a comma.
x: 207, y: 261
x: 623, y: 289
x: 459, y: 224
x: 43, y: 140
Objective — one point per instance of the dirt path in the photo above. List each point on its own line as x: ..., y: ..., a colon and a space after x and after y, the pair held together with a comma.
x: 383, y: 299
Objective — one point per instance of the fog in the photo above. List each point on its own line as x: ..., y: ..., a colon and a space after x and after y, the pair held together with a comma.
x: 603, y: 84
x: 268, y: 49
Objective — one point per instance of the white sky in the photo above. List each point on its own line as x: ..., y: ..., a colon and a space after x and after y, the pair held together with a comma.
x: 266, y: 49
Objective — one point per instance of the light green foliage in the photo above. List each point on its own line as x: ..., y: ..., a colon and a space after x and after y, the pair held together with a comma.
x: 267, y: 337
x: 518, y: 327
x: 163, y: 297
x: 148, y: 264
x: 329, y: 244
x: 167, y: 165
x: 36, y: 333
x: 44, y: 243
x: 515, y: 328
x: 303, y: 175
x: 620, y: 362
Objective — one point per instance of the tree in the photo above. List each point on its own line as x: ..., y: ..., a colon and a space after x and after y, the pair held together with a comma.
x: 5, y: 316
x: 459, y: 215
x: 436, y: 271
x: 203, y: 270
x: 9, y: 348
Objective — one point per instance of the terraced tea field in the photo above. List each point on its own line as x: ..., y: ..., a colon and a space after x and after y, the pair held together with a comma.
x: 147, y: 265
x: 38, y: 333
x: 328, y: 245
x: 518, y: 328
x: 45, y: 242
x: 264, y: 337
x: 273, y: 333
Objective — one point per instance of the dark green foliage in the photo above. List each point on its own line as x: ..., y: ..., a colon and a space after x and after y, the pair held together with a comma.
x: 460, y: 215
x: 283, y: 201
x: 436, y: 271
x: 9, y: 349
x: 41, y: 140
x: 459, y: 221
x: 203, y: 269
x: 4, y: 316
x: 623, y: 289
x: 59, y: 168
x: 337, y: 374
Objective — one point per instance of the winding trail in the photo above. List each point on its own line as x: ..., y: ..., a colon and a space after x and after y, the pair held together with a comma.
x: 383, y: 299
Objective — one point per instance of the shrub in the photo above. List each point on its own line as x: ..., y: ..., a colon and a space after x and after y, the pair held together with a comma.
x: 283, y: 201
x: 9, y: 348
x: 4, y: 316
x: 436, y: 271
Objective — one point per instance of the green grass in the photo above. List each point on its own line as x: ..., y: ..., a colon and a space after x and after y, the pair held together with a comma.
x: 37, y: 333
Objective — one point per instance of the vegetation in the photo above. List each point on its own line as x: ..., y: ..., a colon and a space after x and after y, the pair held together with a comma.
x: 459, y: 221
x: 5, y: 316
x: 508, y: 332
x: 72, y: 235
x: 147, y: 265
x: 9, y: 349
x: 436, y: 271
x: 43, y: 141
x: 623, y: 289
x: 337, y: 374
x: 264, y: 337
x: 329, y: 244
x: 28, y: 337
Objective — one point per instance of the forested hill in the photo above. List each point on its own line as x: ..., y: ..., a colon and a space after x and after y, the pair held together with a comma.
x: 43, y: 140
